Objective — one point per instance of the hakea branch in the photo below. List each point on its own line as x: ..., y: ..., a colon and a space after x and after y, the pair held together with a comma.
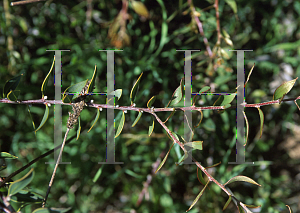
x: 149, y: 110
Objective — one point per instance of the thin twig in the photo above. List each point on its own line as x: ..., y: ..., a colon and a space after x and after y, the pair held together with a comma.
x: 55, y: 168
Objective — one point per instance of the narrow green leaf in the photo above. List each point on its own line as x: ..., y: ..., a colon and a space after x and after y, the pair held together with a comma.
x: 216, y: 164
x: 204, y: 89
x: 232, y: 4
x: 241, y: 178
x: 79, y: 128
x: 7, y: 155
x: 31, y: 119
x: 261, y: 116
x: 137, y: 119
x: 283, y: 89
x: 133, y: 174
x: 183, y: 157
x: 11, y: 84
x: 249, y: 74
x: 45, y: 82
x: 177, y: 95
x: 13, y: 95
x: 170, y: 116
x: 164, y: 160
x: 252, y: 206
x: 200, y: 176
x: 92, y: 83
x: 26, y: 196
x: 151, y: 101
x: 46, y: 114
x: 134, y: 89
x: 240, y: 208
x: 52, y: 210
x: 200, y: 119
x: 195, y: 144
x: 151, y: 127
x: 247, y: 128
x: 99, y: 172
x: 95, y: 120
x: 121, y: 125
x: 198, y: 197
x: 227, y: 203
x: 18, y: 185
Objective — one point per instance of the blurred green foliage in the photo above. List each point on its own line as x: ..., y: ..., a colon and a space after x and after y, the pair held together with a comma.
x: 269, y: 28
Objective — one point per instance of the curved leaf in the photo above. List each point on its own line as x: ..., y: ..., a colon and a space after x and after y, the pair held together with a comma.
x: 291, y: 211
x: 249, y: 74
x: 46, y: 114
x: 45, y: 82
x: 134, y: 89
x: 200, y: 176
x: 7, y: 155
x: 13, y: 95
x: 151, y: 127
x: 177, y: 95
x: 51, y: 210
x: 241, y: 178
x: 95, y: 120
x: 121, y: 125
x: 198, y: 196
x: 151, y: 101
x: 11, y: 84
x: 183, y: 157
x: 26, y: 196
x: 283, y: 89
x: 79, y: 128
x: 18, y: 185
x: 164, y: 160
x: 261, y: 116
x: 247, y: 128
x: 118, y: 93
x: 232, y: 4
x: 227, y: 203
x: 92, y: 83
x: 31, y: 118
x: 137, y: 119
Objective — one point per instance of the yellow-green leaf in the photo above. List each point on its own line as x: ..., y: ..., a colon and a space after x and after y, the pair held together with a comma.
x: 137, y: 119
x: 227, y: 203
x: 241, y: 178
x: 151, y: 127
x: 247, y: 128
x: 261, y: 116
x: 164, y: 160
x: 134, y: 89
x: 291, y: 211
x: 45, y: 82
x: 232, y: 4
x: 198, y: 197
x: 150, y: 102
x: 7, y: 155
x: 13, y: 95
x: 18, y: 185
x: 92, y: 83
x: 46, y: 114
x: 121, y: 125
x: 283, y: 89
x: 177, y: 95
x: 95, y: 120
x: 79, y: 128
x: 200, y: 176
